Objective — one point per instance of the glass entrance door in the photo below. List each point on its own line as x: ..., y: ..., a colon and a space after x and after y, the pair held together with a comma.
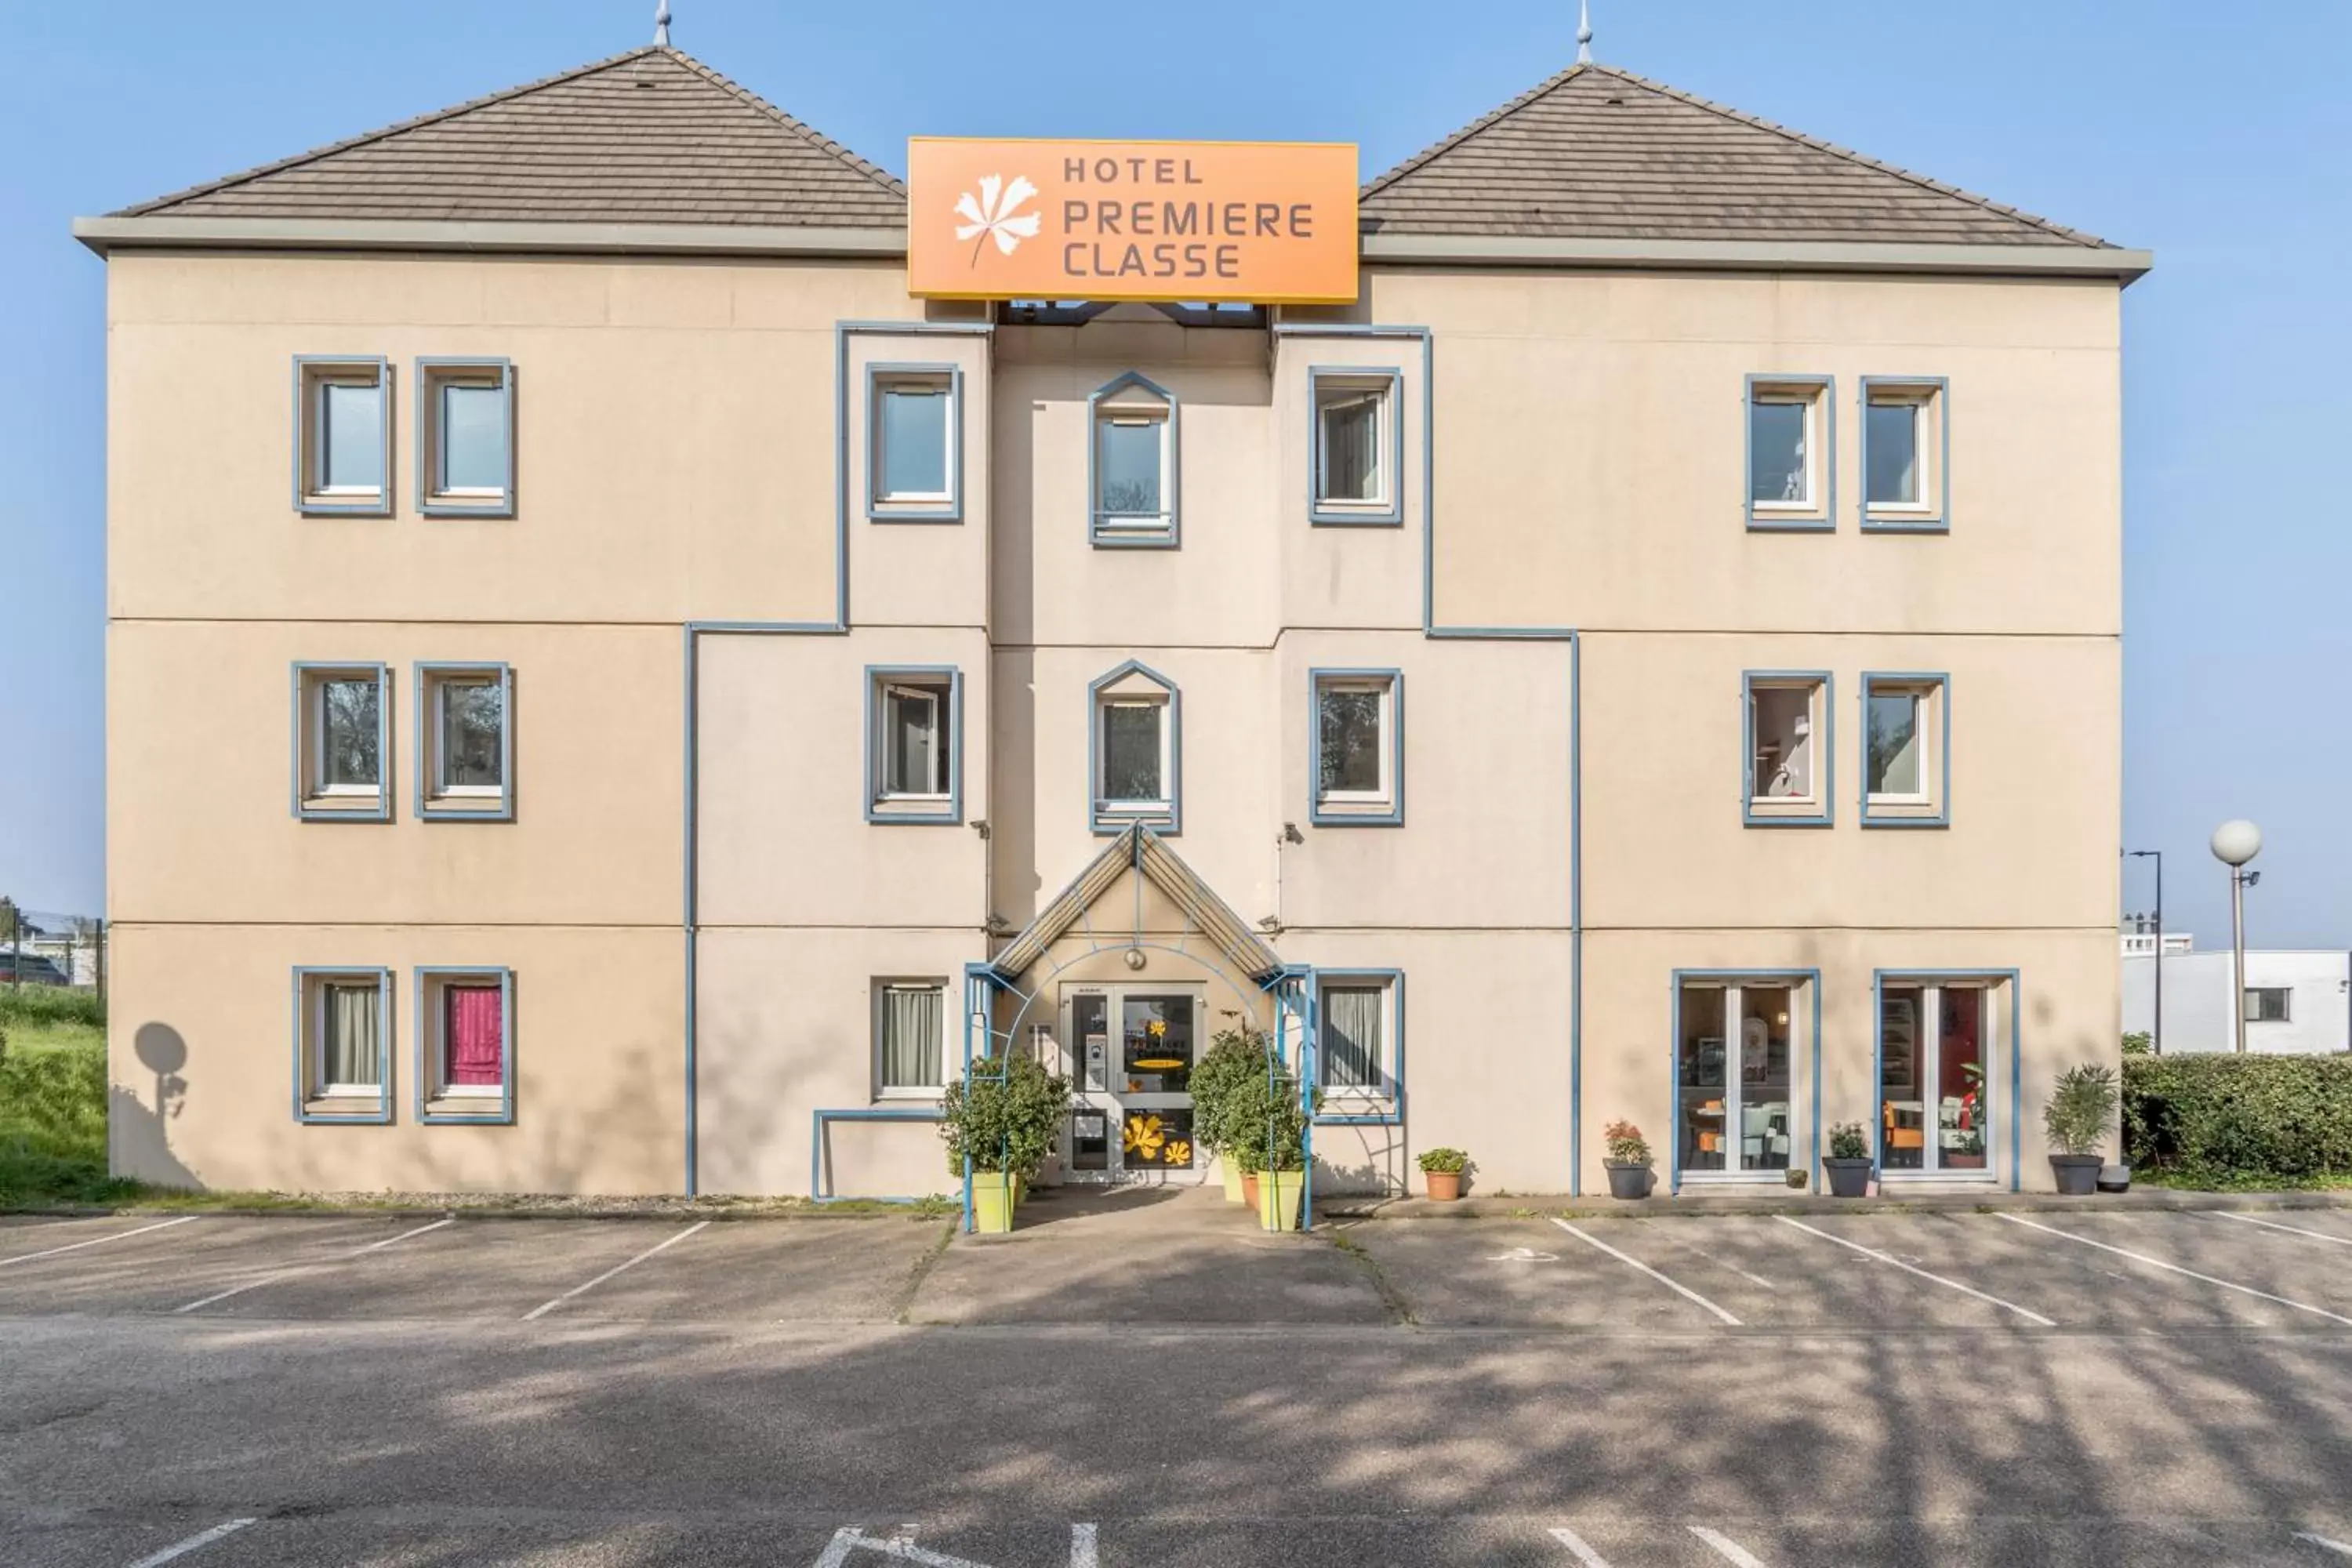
x: 1130, y: 1054
x: 1732, y: 1077
x: 1935, y: 1112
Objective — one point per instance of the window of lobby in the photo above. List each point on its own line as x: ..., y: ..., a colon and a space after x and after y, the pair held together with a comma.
x: 1791, y: 453
x: 1736, y: 1044
x: 1790, y: 748
x: 1130, y: 1060
x: 1935, y: 1051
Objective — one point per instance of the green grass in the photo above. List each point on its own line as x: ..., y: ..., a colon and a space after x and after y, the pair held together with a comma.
x: 53, y: 1117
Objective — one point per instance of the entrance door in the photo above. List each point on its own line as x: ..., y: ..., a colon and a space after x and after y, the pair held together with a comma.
x: 1130, y: 1051
x: 1733, y: 1074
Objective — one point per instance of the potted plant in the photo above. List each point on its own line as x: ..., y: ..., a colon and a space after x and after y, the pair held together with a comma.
x: 1268, y: 1129
x: 1440, y: 1173
x: 1629, y: 1161
x: 1005, y: 1119
x: 1233, y: 1054
x: 2077, y: 1117
x: 1848, y: 1165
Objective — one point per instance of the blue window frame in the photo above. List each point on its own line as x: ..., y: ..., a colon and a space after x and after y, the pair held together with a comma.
x: 1135, y: 751
x: 1789, y: 741
x: 1354, y: 468
x: 1134, y: 466
x: 343, y: 1049
x: 1790, y: 466
x: 453, y: 1071
x: 1906, y: 749
x: 464, y: 436
x: 914, y: 744
x: 914, y: 464
x: 1355, y: 748
x: 342, y: 435
x: 464, y: 751
x: 1907, y: 449
x: 342, y: 741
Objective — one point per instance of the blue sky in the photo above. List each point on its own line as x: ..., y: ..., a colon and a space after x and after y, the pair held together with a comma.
x: 2212, y: 135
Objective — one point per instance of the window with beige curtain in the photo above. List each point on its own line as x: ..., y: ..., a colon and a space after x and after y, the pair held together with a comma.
x: 911, y: 1048
x: 351, y: 1042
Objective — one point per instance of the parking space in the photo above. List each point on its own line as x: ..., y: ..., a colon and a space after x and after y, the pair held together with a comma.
x: 814, y: 1271
x: 171, y: 1265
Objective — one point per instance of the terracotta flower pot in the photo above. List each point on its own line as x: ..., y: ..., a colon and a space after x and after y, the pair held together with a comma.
x: 1443, y: 1187
x: 1249, y: 1188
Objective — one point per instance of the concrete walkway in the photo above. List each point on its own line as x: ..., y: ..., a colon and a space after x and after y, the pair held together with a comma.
x: 1775, y: 1200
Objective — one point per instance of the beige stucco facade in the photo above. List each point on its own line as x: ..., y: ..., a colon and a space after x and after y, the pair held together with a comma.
x: 693, y: 900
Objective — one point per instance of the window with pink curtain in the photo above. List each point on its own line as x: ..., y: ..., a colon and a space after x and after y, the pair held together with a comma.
x: 474, y: 1037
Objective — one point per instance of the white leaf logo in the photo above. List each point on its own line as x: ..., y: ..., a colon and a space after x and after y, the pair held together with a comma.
x: 992, y: 217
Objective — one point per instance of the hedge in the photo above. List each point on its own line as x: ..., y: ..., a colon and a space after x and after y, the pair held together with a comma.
x: 2208, y: 1116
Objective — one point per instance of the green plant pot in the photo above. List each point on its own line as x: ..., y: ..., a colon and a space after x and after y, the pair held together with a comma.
x: 1279, y: 1194
x: 1231, y: 1171
x: 992, y: 1197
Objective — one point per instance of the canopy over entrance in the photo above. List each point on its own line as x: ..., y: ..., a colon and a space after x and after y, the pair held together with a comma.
x: 1139, y: 850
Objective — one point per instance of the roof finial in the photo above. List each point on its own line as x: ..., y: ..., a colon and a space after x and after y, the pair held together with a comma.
x: 1583, y: 32
x: 661, y: 23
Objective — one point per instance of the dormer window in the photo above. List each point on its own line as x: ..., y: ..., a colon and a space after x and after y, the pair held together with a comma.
x: 1132, y: 463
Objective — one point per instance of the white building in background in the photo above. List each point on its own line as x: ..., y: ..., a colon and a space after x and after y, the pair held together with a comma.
x: 2298, y: 1003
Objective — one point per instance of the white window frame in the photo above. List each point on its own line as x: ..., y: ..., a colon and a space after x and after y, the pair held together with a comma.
x: 437, y: 1045
x: 1814, y: 807
x: 941, y: 687
x: 434, y: 683
x: 1383, y: 385
x: 1818, y: 507
x: 1386, y: 691
x: 1927, y: 397
x: 887, y: 505
x: 1928, y: 1067
x: 320, y: 788
x: 314, y: 375
x: 1930, y: 695
x: 435, y: 495
x: 319, y: 1088
x: 1800, y: 1110
x: 1115, y: 525
x: 314, y: 798
x: 883, y: 986
x: 1344, y: 1100
x: 1121, y: 806
x: 933, y: 699
x: 1381, y: 806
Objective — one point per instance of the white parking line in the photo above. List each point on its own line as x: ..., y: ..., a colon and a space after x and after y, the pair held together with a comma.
x: 181, y: 1549
x: 1726, y: 1547
x: 1081, y: 1546
x: 546, y: 1306
x: 1637, y: 1263
x: 850, y: 1538
x: 2291, y: 1229
x: 2175, y: 1269
x: 1907, y: 1268
x: 1676, y: 1241
x: 1576, y: 1544
x: 2324, y: 1544
x: 99, y: 1240
x: 305, y: 1268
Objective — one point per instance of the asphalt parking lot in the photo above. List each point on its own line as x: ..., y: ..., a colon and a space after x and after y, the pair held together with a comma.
x: 1160, y: 1384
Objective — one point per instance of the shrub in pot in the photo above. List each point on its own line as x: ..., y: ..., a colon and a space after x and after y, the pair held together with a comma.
x: 1442, y: 1171
x: 1847, y: 1167
x: 2077, y: 1117
x: 1233, y: 1054
x: 1268, y: 1129
x: 1004, y: 1120
x: 1628, y: 1162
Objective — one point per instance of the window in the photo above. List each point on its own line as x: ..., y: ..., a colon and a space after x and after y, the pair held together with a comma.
x: 1789, y: 749
x: 1355, y: 445
x: 1903, y: 483
x: 342, y: 738
x: 909, y: 1038
x: 342, y: 1031
x: 917, y: 447
x: 342, y: 441
x: 914, y: 744
x: 1359, y: 1040
x: 1133, y: 745
x: 1132, y: 463
x: 1358, y: 748
x: 1791, y: 453
x: 464, y: 752
x: 1734, y: 1054
x: 2266, y: 1003
x: 464, y: 434
x: 465, y: 1069
x: 1935, y: 1064
x: 1906, y: 757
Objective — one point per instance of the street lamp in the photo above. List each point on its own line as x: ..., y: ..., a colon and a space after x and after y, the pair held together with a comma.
x: 2235, y: 842
x: 2158, y: 856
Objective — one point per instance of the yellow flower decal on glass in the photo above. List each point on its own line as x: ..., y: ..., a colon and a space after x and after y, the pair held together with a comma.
x: 1180, y: 1152
x: 1142, y: 1135
x: 1157, y: 1029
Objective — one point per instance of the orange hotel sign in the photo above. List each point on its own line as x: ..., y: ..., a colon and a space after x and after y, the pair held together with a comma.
x: 1261, y: 222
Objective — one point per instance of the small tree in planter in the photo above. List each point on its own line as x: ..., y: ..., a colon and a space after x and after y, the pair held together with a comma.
x: 1629, y: 1161
x: 1268, y: 1129
x: 1234, y: 1056
x: 1848, y: 1165
x: 1005, y: 1121
x: 2077, y: 1117
x: 1442, y: 1171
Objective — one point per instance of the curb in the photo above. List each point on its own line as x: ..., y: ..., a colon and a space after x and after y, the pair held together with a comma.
x: 2155, y: 1201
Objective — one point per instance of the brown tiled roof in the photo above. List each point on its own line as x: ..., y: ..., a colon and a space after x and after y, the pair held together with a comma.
x: 652, y: 136
x: 1596, y: 153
